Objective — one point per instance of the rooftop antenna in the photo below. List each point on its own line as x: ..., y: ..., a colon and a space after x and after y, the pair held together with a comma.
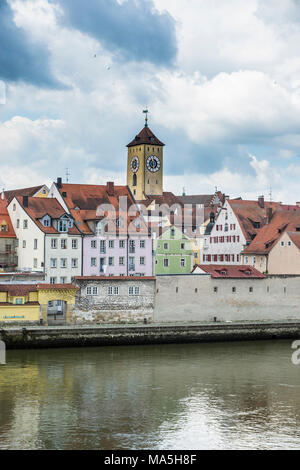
x: 67, y: 174
x: 270, y: 193
x: 145, y: 111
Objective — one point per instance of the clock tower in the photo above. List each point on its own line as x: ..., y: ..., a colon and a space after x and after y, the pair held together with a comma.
x: 145, y: 164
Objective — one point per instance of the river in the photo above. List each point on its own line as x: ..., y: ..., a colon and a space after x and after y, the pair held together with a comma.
x: 243, y: 395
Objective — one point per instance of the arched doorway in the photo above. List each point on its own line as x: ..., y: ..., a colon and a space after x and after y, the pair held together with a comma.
x: 56, y: 312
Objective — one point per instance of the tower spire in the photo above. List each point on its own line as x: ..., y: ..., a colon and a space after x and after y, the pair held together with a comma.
x: 146, y: 118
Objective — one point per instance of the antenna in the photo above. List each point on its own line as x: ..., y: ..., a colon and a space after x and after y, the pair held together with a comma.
x: 67, y: 175
x: 270, y: 193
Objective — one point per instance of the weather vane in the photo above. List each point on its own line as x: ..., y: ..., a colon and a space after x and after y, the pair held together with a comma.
x: 146, y: 119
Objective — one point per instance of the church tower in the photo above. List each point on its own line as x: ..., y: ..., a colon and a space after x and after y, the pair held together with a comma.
x: 145, y: 164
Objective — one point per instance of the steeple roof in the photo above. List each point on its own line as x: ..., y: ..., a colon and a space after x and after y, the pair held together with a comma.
x: 146, y: 136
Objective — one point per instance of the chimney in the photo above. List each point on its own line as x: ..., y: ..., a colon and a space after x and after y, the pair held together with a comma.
x: 25, y: 201
x: 261, y: 202
x: 59, y: 183
x: 298, y: 204
x: 269, y: 214
x: 110, y: 188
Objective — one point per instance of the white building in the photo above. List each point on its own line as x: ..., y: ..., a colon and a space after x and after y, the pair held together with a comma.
x: 235, y: 226
x: 48, y: 239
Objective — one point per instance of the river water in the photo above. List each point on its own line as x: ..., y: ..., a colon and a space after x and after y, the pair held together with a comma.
x: 191, y: 396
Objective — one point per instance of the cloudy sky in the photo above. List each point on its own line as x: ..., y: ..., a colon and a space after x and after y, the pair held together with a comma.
x: 221, y: 80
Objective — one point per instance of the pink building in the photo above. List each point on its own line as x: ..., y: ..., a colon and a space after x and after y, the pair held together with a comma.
x: 115, y: 237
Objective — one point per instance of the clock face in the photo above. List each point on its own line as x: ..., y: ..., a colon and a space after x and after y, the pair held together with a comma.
x: 135, y: 164
x: 153, y: 163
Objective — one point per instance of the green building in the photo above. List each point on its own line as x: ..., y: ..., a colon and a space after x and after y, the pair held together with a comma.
x: 173, y: 253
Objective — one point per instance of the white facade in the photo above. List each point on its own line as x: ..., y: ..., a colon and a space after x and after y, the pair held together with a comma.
x: 58, y: 255
x: 30, y: 238
x: 63, y: 257
x: 226, y: 240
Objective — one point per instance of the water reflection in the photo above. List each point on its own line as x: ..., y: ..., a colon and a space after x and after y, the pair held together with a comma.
x: 200, y: 396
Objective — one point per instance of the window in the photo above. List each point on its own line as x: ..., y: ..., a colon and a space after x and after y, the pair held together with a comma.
x: 142, y: 261
x: 25, y: 224
x: 19, y: 301
x: 63, y: 262
x: 282, y: 243
x: 182, y: 246
x: 246, y: 259
x: 113, y: 290
x: 35, y: 263
x: 53, y: 263
x: 142, y: 244
x: 111, y: 261
x: 93, y: 243
x: 18, y: 223
x: 63, y: 226
x: 234, y: 289
x: 182, y: 262
x: 102, y: 246
x: 131, y: 246
x: 122, y: 244
x: 35, y: 244
x: 93, y: 262
x: 89, y: 290
x: 111, y: 244
x: 14, y: 207
x: 63, y: 243
x: 53, y: 243
x: 74, y: 263
x: 92, y: 290
x: 134, y: 290
x: 131, y: 264
x: 121, y: 261
x: 250, y: 290
x: 166, y: 246
x: 46, y: 222
x: 215, y: 289
x: 254, y: 259
x: 24, y: 243
x: 74, y: 244
x: 52, y: 280
x: 63, y: 280
x: 289, y: 243
x: 166, y: 262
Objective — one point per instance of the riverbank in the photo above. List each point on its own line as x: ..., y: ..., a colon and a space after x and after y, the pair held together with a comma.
x: 139, y: 334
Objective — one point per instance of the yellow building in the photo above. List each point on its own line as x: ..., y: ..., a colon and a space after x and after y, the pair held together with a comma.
x: 36, y: 303
x: 145, y: 165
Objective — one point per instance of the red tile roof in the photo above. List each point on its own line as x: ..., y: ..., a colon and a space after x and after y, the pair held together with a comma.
x: 115, y: 278
x: 230, y: 271
x: 56, y: 286
x: 18, y: 289
x: 249, y: 212
x: 38, y: 207
x: 146, y: 136
x: 295, y: 237
x: 83, y: 200
x: 283, y: 220
x: 5, y: 220
x: 22, y: 192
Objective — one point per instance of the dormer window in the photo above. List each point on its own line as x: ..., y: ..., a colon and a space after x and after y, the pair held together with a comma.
x: 63, y: 226
x: 47, y: 221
